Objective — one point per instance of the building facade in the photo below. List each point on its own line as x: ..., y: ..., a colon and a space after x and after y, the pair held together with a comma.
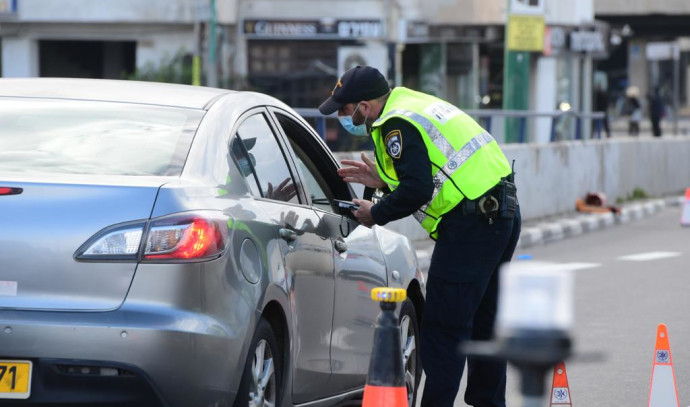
x: 654, y: 50
x: 295, y: 49
x: 100, y: 38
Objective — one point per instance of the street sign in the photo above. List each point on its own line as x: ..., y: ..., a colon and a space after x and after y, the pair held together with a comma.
x: 526, y: 33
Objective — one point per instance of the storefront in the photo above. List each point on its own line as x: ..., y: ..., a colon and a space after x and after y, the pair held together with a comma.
x: 298, y: 61
x: 569, y: 55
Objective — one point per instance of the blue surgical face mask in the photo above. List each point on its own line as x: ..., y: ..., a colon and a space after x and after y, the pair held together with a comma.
x: 350, y: 127
x: 246, y: 167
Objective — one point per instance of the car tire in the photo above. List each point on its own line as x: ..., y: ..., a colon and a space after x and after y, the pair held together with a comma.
x: 409, y: 339
x: 261, y: 379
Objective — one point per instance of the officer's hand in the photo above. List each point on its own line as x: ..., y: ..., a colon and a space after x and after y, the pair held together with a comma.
x: 362, y: 172
x: 363, y: 214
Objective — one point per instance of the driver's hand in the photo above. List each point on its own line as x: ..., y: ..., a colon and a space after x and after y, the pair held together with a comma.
x: 363, y: 214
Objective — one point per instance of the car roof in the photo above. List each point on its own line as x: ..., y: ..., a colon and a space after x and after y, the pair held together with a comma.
x: 154, y: 93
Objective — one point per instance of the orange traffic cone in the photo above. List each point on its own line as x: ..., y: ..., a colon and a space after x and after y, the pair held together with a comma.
x: 385, y: 385
x: 685, y: 215
x: 560, y: 391
x: 663, y: 391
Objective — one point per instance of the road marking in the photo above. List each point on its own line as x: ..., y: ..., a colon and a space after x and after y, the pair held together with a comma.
x: 576, y: 266
x: 555, y: 266
x: 649, y: 256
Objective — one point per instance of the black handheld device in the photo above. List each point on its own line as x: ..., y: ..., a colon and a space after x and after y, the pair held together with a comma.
x: 346, y: 204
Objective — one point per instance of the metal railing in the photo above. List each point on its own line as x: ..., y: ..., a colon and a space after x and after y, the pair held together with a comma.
x: 488, y: 118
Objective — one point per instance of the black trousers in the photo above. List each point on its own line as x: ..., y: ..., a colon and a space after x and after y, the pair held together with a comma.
x: 656, y: 125
x: 461, y: 304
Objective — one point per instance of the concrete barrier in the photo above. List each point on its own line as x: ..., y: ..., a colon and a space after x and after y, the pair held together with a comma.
x: 550, y: 177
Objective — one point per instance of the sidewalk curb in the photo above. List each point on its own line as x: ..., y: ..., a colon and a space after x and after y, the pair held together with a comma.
x: 547, y: 232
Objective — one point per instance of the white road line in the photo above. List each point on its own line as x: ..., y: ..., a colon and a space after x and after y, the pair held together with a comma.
x: 576, y: 266
x: 649, y: 256
x: 526, y: 264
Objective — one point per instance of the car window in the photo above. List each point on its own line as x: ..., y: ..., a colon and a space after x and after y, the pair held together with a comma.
x: 318, y: 169
x: 261, y: 160
x: 91, y: 137
x: 315, y: 184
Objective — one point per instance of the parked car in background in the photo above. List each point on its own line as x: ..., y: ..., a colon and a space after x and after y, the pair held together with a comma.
x: 169, y: 245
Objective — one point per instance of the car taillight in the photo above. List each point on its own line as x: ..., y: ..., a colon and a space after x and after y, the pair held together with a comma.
x: 10, y: 191
x: 189, y: 236
x: 192, y: 238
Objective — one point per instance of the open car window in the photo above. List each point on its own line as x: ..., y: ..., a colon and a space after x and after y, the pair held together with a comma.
x: 322, y: 182
x: 315, y: 184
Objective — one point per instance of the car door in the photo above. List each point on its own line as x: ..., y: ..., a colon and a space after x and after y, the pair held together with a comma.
x: 307, y: 250
x: 359, y: 263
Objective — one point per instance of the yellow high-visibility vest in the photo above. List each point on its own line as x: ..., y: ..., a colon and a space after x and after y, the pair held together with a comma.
x: 465, y: 160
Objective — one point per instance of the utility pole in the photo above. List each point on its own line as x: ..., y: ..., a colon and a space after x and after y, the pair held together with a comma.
x: 212, y: 69
x: 196, y: 60
x: 524, y: 33
x: 676, y: 85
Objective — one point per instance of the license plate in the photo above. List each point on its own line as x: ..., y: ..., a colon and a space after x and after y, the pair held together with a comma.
x: 15, y: 379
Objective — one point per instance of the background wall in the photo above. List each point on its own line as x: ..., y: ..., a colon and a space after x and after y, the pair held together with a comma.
x: 550, y: 177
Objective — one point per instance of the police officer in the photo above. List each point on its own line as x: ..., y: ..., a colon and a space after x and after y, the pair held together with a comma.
x: 450, y: 174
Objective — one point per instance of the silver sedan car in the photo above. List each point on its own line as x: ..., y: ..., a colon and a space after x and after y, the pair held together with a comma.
x: 169, y: 245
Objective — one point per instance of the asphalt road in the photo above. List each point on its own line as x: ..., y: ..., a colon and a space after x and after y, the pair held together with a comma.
x: 631, y: 277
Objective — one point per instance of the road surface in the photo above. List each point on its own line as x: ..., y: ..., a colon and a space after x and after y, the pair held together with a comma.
x: 631, y: 277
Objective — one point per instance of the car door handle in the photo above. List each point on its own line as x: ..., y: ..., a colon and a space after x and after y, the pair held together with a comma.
x: 287, y: 235
x: 340, y: 246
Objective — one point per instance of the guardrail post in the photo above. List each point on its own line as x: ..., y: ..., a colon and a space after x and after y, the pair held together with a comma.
x: 523, y: 125
x: 487, y: 123
x: 578, y: 135
x: 597, y: 126
x: 554, y: 122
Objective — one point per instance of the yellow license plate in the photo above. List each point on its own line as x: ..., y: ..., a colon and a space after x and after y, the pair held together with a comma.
x: 15, y: 379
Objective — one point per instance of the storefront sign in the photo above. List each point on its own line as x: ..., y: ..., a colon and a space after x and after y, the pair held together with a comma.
x: 8, y: 7
x: 525, y: 33
x: 564, y: 40
x: 658, y: 51
x: 313, y: 29
x: 413, y: 31
x: 587, y: 41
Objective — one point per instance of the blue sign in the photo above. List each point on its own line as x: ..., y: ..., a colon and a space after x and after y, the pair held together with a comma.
x: 8, y: 6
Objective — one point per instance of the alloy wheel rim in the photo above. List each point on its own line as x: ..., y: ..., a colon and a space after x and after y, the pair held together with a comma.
x: 409, y: 355
x: 262, y: 392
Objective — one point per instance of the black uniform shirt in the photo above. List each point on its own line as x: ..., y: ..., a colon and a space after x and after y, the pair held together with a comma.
x: 410, y: 157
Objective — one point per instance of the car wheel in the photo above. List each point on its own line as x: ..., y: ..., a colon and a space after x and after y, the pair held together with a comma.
x: 261, y: 380
x: 409, y: 339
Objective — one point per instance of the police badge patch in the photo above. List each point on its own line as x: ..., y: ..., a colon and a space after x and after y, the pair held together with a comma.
x: 393, y: 142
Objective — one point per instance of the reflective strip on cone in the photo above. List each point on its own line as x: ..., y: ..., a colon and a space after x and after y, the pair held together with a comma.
x: 382, y: 396
x: 685, y: 214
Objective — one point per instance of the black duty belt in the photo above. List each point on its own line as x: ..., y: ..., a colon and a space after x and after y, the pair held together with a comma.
x: 498, y: 202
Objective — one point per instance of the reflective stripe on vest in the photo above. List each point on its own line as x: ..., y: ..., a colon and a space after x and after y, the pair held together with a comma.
x: 454, y: 163
x: 431, y: 130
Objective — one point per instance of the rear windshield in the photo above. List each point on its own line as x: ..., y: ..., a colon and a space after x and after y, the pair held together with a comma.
x: 87, y: 137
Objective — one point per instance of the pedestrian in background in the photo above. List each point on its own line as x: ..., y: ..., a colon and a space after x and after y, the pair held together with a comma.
x: 656, y: 111
x: 451, y: 175
x: 633, y: 109
x: 601, y: 104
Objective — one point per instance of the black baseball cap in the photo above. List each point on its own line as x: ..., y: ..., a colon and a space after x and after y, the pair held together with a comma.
x: 357, y: 84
